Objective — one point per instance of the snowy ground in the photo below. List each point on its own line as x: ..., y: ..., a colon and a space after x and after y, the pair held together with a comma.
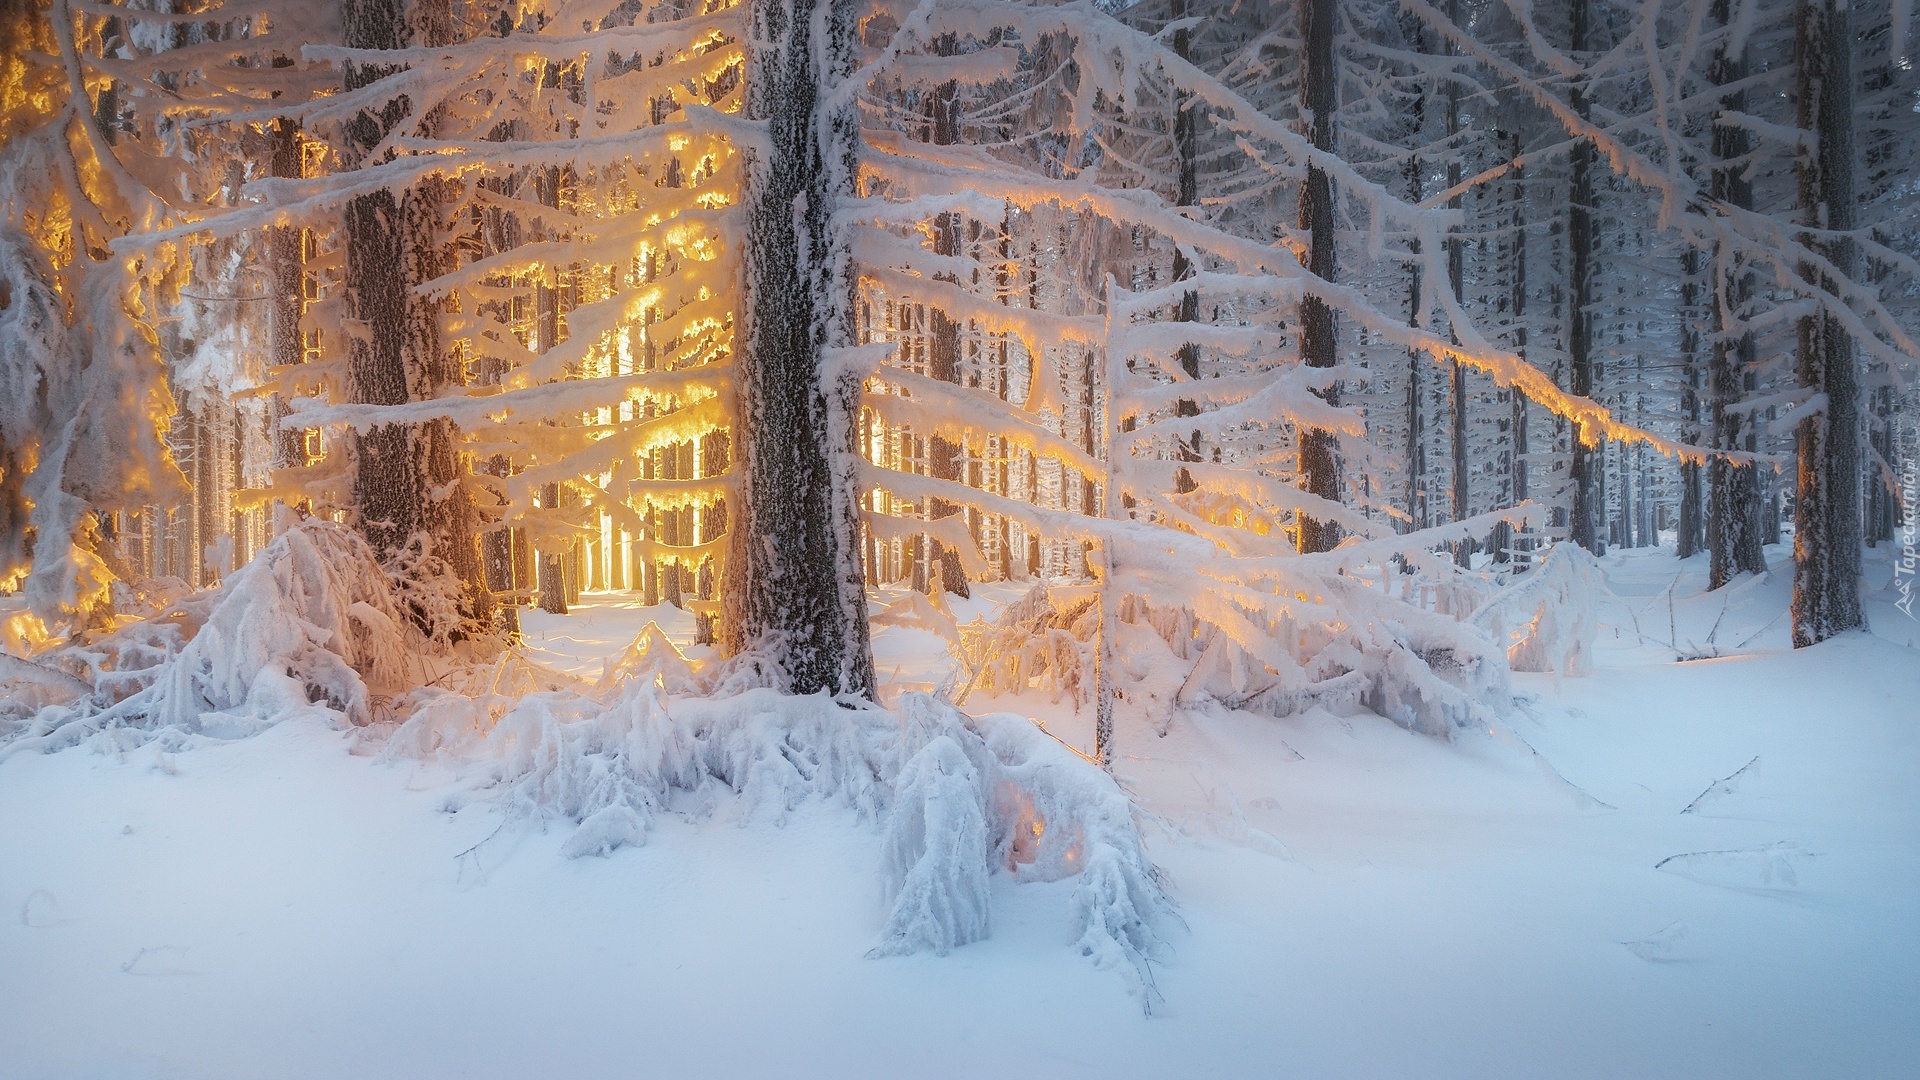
x: 1359, y: 901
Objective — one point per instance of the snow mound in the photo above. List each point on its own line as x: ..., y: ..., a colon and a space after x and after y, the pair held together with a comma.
x: 960, y: 798
x: 314, y: 626
x: 311, y: 625
x: 998, y: 785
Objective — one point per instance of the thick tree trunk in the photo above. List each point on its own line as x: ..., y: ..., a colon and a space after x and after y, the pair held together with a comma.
x: 1589, y: 459
x: 406, y: 476
x: 1456, y: 280
x: 386, y: 486
x: 794, y: 587
x: 286, y: 261
x: 1522, y: 551
x: 1733, y: 491
x: 943, y: 344
x: 1826, y: 509
x: 1690, y: 532
x: 1187, y: 182
x: 503, y: 552
x: 553, y: 591
x: 1416, y: 403
x: 1319, y: 450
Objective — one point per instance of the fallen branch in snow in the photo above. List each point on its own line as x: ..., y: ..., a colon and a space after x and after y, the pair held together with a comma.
x: 14, y: 669
x: 1722, y: 786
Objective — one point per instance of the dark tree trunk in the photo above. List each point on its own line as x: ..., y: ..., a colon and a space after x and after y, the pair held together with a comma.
x: 1456, y: 280
x: 503, y: 552
x: 1690, y: 532
x: 943, y: 339
x: 286, y: 261
x: 406, y: 476
x: 1319, y: 450
x: 386, y: 485
x: 1186, y: 151
x: 1826, y: 509
x: 794, y: 578
x: 1416, y: 403
x: 1522, y: 548
x: 554, y: 593
x: 1589, y: 459
x: 1733, y: 491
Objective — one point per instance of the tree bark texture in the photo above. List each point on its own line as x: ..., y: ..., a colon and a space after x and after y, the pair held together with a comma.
x: 286, y: 263
x: 1734, y: 535
x: 1456, y: 280
x: 1690, y: 533
x: 1521, y: 548
x: 1826, y: 509
x: 1187, y: 182
x: 406, y: 476
x: 794, y: 582
x: 944, y: 460
x: 1319, y: 450
x: 1589, y: 462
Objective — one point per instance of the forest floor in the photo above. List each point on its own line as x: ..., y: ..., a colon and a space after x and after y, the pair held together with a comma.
x: 1577, y: 895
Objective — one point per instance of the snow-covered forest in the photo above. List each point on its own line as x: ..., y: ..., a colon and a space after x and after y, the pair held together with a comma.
x: 1188, y: 537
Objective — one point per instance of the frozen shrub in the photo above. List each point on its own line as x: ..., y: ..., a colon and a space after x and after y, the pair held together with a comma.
x: 1547, y: 618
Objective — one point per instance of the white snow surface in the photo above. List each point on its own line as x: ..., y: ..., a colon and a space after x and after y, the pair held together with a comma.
x: 1661, y: 869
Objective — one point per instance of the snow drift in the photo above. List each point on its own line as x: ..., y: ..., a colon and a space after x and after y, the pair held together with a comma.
x: 314, y: 628
x: 309, y: 626
x: 960, y: 799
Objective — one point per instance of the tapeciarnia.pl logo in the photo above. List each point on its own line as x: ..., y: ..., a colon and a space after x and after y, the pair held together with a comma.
x: 1905, y: 566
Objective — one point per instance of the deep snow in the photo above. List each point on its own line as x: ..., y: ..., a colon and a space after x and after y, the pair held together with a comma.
x: 1359, y: 901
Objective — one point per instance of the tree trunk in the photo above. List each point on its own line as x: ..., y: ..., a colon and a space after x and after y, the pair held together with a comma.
x: 406, y: 476
x: 1690, y: 533
x: 943, y: 339
x: 1319, y: 450
x: 1733, y: 491
x: 1456, y: 280
x: 1522, y: 554
x: 502, y: 551
x: 1187, y: 183
x: 288, y: 302
x: 1589, y: 461
x: 794, y: 588
x: 1826, y: 509
x: 1416, y: 405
